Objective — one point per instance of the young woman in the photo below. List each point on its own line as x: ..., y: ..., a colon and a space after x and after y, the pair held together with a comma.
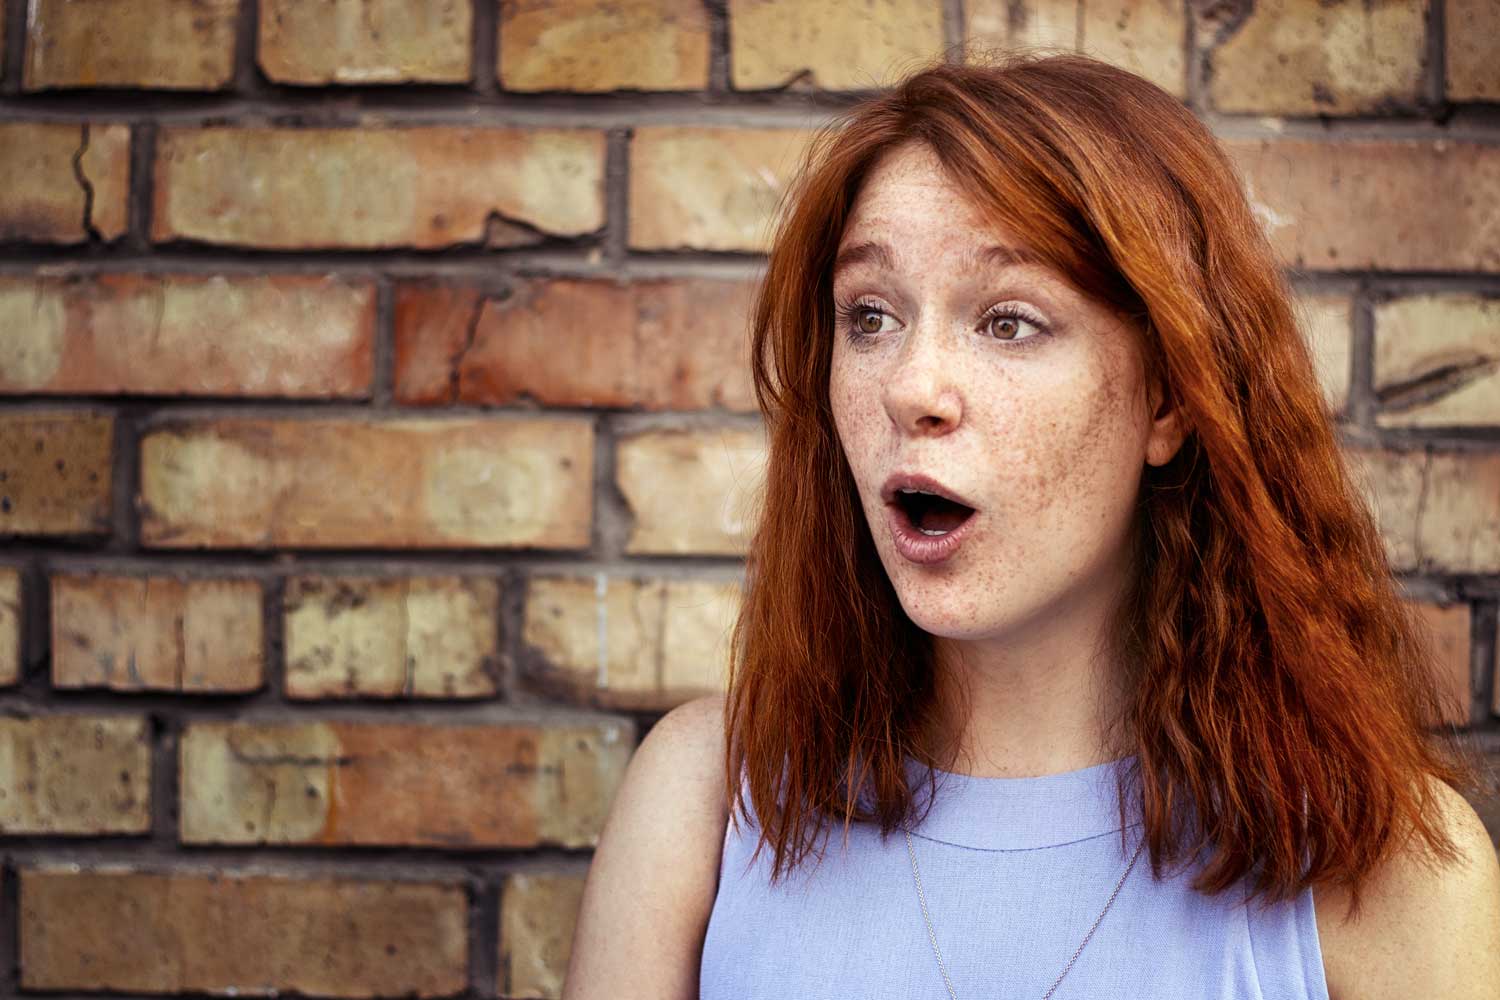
x: 1062, y: 607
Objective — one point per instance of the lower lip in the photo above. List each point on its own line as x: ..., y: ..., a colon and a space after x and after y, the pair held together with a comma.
x: 924, y: 549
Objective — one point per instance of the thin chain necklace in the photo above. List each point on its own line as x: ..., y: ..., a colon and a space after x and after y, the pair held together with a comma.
x: 1056, y: 982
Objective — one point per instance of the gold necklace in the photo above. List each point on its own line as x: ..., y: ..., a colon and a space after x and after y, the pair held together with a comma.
x: 1056, y: 982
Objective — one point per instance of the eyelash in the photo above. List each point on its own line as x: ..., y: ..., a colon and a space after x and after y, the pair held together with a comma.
x: 847, y: 311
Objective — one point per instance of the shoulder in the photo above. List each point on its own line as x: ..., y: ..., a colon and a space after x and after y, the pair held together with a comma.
x: 1423, y: 928
x: 654, y: 875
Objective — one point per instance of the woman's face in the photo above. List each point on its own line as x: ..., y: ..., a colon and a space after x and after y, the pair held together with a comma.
x: 957, y: 360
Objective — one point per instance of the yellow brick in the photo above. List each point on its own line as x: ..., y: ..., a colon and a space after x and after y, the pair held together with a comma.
x: 163, y: 44
x: 1470, y: 32
x: 842, y: 46
x: 1439, y: 511
x: 55, y: 473
x: 692, y: 491
x: 74, y: 774
x: 365, y: 41
x: 538, y: 914
x: 41, y: 199
x: 10, y: 627
x: 1437, y: 361
x: 590, y: 46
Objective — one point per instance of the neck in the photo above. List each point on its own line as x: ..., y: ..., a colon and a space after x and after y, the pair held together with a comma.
x: 1040, y: 700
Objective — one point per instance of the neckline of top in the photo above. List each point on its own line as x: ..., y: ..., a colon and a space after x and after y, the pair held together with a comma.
x: 992, y: 813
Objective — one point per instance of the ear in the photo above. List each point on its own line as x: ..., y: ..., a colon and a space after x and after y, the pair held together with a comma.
x: 1168, y: 425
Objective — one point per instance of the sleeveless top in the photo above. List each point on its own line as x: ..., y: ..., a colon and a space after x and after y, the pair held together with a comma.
x: 1015, y: 870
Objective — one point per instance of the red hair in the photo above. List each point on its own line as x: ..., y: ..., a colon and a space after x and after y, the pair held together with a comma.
x: 1280, y: 691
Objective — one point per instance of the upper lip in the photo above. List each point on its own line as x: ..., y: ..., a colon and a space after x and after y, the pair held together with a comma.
x: 917, y: 481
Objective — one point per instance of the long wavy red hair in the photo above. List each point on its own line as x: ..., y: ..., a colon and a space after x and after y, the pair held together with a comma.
x: 1283, y: 714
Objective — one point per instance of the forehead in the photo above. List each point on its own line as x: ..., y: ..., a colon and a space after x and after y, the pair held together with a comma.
x: 909, y: 196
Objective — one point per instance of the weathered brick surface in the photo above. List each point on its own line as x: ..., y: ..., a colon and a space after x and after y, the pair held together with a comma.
x: 709, y: 188
x: 419, y: 637
x: 75, y: 775
x: 1143, y: 36
x: 10, y: 626
x: 1296, y: 57
x: 41, y: 199
x: 655, y: 345
x: 290, y: 188
x: 1473, y: 72
x: 165, y: 44
x: 1447, y: 635
x: 589, y: 46
x: 55, y: 473
x: 336, y: 482
x: 1327, y: 323
x: 538, y: 914
x: 156, y: 633
x: 691, y: 491
x: 226, y: 335
x: 1291, y: 185
x: 1438, y: 511
x: 501, y: 784
x: 840, y: 46
x: 1437, y: 361
x: 232, y: 932
x: 365, y: 41
x: 663, y: 641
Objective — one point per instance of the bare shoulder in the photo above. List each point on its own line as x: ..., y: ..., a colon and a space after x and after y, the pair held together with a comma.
x: 654, y: 875
x: 1423, y: 928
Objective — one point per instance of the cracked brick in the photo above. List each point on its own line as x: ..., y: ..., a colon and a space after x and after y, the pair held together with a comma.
x: 1438, y: 510
x: 63, y: 183
x: 1437, y: 361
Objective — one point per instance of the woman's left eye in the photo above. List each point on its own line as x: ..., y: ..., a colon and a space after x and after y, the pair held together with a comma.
x: 1007, y: 324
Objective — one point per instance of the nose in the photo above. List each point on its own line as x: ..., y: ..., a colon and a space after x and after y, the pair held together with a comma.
x: 919, y: 391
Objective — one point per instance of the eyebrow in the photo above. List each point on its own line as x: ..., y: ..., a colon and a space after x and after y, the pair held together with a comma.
x: 881, y: 255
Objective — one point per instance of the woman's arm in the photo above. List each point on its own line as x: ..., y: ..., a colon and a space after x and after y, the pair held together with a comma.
x: 1422, y: 931
x: 655, y: 872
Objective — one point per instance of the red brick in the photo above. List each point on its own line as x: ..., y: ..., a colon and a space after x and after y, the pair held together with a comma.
x: 365, y: 41
x: 590, y: 46
x: 41, y: 199
x: 55, y: 473
x: 841, y: 46
x: 1470, y: 32
x: 538, y: 915
x: 423, y: 637
x: 655, y: 345
x: 166, y: 932
x: 341, y: 483
x: 709, y: 188
x: 1438, y: 510
x: 1375, y: 204
x: 156, y: 633
x: 499, y: 784
x: 1446, y: 628
x: 165, y: 44
x: 10, y: 627
x: 421, y: 186
x: 227, y: 335
x: 74, y: 774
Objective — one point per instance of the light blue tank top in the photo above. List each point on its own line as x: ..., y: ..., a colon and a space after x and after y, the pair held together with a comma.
x: 1015, y: 870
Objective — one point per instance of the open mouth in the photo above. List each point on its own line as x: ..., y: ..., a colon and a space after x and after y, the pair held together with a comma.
x: 931, y: 514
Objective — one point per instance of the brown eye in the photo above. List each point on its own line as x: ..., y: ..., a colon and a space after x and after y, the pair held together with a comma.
x: 869, y: 320
x: 1005, y: 327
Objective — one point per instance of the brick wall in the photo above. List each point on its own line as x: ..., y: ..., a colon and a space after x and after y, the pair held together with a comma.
x: 377, y: 449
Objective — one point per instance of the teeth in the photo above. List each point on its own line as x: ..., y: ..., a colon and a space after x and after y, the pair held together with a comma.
x: 926, y: 532
x: 923, y: 492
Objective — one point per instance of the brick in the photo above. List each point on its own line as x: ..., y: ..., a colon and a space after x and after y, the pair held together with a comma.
x: 10, y: 627
x: 74, y: 774
x: 591, y: 46
x: 664, y: 641
x: 1329, y: 204
x: 55, y: 473
x: 1303, y: 57
x: 691, y: 491
x: 1146, y: 37
x: 156, y: 633
x: 365, y: 41
x: 1327, y: 321
x: 225, y: 335
x: 156, y: 44
x: 498, y: 784
x: 424, y: 186
x: 1437, y: 361
x: 654, y: 345
x: 1470, y: 32
x: 1439, y: 511
x: 41, y: 197
x: 107, y: 928
x: 709, y: 188
x: 424, y: 637
x: 1446, y: 631
x: 333, y: 482
x: 838, y: 46
x: 538, y: 915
